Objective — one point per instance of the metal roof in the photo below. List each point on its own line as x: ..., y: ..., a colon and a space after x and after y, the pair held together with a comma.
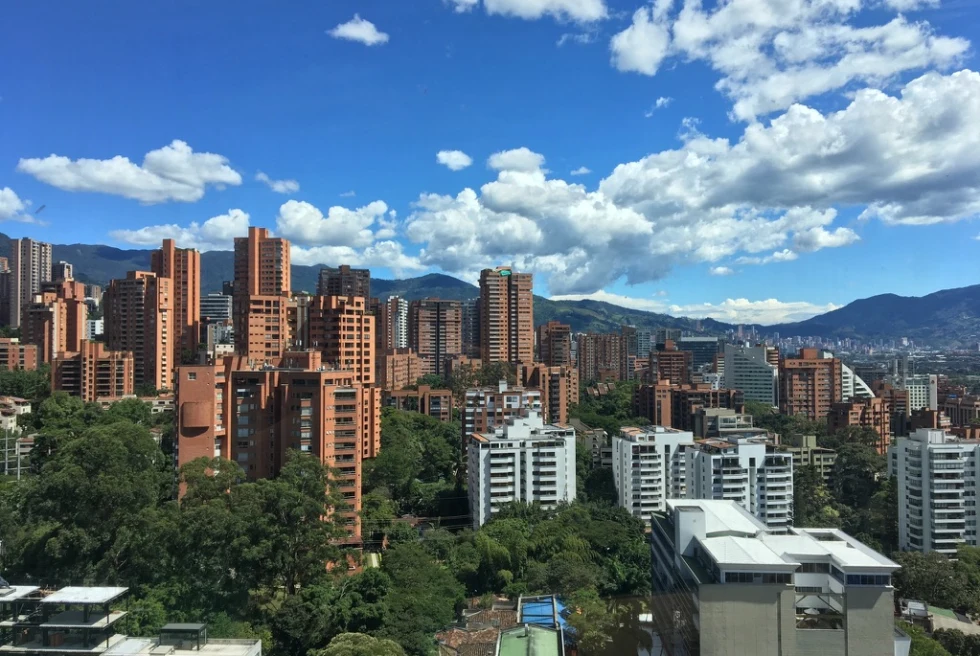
x: 84, y: 595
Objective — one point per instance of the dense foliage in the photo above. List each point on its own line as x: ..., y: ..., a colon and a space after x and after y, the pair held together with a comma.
x: 611, y: 411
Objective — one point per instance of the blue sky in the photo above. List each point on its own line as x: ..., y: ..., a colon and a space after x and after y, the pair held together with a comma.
x: 803, y: 153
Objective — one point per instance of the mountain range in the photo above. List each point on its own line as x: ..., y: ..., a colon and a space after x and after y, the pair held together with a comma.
x: 949, y: 317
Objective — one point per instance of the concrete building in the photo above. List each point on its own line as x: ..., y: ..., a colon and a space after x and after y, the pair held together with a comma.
x: 392, y: 323
x: 261, y: 294
x: 523, y: 459
x: 725, y: 585
x: 649, y: 468
x: 747, y: 368
x: 687, y: 400
x: 872, y: 413
x: 14, y: 355
x: 923, y: 391
x: 30, y: 265
x: 62, y: 271
x: 139, y: 319
x: 254, y: 413
x: 435, y: 332
x: 398, y: 368
x: 555, y: 344
x: 342, y: 329
x: 671, y: 364
x: 94, y: 328
x: 595, y: 441
x: 809, y: 384
x: 486, y: 408
x: 54, y: 320
x: 937, y: 490
x: 471, y: 327
x: 719, y: 422
x: 94, y: 372
x: 344, y: 281
x: 436, y: 403
x: 750, y: 471
x: 600, y: 356
x: 216, y: 308
x: 506, y: 316
x: 558, y: 386
x: 703, y: 350
x: 183, y: 267
x: 853, y: 386
x: 806, y: 453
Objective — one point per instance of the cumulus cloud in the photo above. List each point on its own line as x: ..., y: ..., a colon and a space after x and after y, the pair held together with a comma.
x: 738, y: 310
x: 13, y: 208
x: 581, y: 38
x: 768, y: 197
x: 462, y: 6
x: 360, y: 30
x: 582, y: 170
x: 721, y: 271
x: 454, y: 160
x: 583, y: 11
x: 278, y: 186
x: 216, y: 234
x: 388, y: 254
x: 770, y: 55
x: 171, y: 173
x: 305, y: 224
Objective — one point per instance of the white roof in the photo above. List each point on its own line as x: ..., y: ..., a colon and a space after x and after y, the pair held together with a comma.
x: 823, y: 545
x: 84, y: 595
x: 730, y: 551
x: 722, y: 517
x: 15, y: 592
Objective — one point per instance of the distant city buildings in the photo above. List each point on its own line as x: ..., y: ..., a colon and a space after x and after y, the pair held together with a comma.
x: 806, y: 453
x: 183, y: 267
x: 344, y: 281
x: 261, y: 289
x: 555, y: 344
x: 54, y: 319
x: 486, y: 408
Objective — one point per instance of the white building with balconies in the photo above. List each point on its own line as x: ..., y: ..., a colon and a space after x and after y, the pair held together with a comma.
x: 521, y: 460
x: 648, y: 468
x: 937, y: 490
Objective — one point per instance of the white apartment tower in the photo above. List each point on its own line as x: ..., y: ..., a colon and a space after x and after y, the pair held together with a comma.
x: 923, y: 391
x: 649, y: 468
x: 521, y: 460
x: 398, y: 309
x: 30, y: 265
x: 749, y: 471
x: 748, y: 369
x: 937, y: 490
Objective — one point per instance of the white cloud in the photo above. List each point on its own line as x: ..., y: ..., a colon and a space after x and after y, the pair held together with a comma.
x: 910, y: 5
x: 278, y: 186
x: 816, y: 238
x: 770, y: 55
x: 721, y: 271
x: 661, y: 102
x: 306, y: 225
x: 583, y: 11
x: 463, y: 6
x: 581, y: 38
x: 387, y: 254
x: 348, y: 194
x: 518, y: 159
x: 360, y: 30
x: 582, y: 170
x: 216, y: 234
x: 739, y: 310
x: 13, y: 208
x: 171, y: 173
x: 454, y: 160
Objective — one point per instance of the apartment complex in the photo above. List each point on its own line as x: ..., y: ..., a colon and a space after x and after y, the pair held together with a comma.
x: 749, y: 369
x: 392, y: 323
x: 670, y: 364
x: 254, y: 414
x: 486, y: 408
x: 555, y: 344
x: 14, y: 355
x: 806, y: 453
x: 183, y: 267
x: 809, y: 384
x: 558, y: 387
x: 725, y: 585
x: 649, y: 467
x: 260, y: 294
x: 600, y: 357
x: 435, y: 332
x: 937, y: 490
x: 342, y: 329
x: 750, y: 471
x: 62, y: 271
x: 667, y: 404
x: 703, y: 350
x: 94, y: 372
x: 398, y: 368
x: 720, y: 422
x: 30, y: 265
x: 55, y: 318
x: 216, y: 308
x: 436, y: 403
x: 923, y: 391
x: 523, y: 459
x: 471, y: 327
x: 139, y: 319
x: 506, y: 316
x: 344, y: 281
x: 873, y: 413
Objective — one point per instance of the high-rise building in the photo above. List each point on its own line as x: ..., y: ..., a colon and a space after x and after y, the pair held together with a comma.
x: 853, y: 386
x: 506, y: 316
x: 392, y: 323
x: 261, y: 294
x: 344, y: 281
x: 806, y: 453
x: 747, y: 368
x: 343, y: 330
x: 62, y: 271
x: 435, y: 332
x: 558, y: 387
x: 471, y: 327
x: 216, y: 308
x: 486, y: 408
x: 725, y: 584
x: 139, y: 319
x: 923, y: 390
x: 436, y: 403
x: 30, y: 265
x: 55, y: 318
x: 809, y: 384
x: 937, y: 490
x: 872, y: 413
x: 555, y: 344
x: 649, y: 468
x: 661, y: 336
x: 703, y: 350
x: 751, y: 471
x: 183, y: 267
x: 254, y: 413
x: 94, y: 372
x: 16, y: 356
x: 600, y: 356
x: 672, y: 364
x: 523, y: 460
x: 398, y: 368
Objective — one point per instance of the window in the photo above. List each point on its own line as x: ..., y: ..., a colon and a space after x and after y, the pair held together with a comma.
x: 191, y: 375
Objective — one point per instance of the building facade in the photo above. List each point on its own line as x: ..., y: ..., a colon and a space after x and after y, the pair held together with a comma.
x: 139, y: 319
x: 747, y: 368
x: 30, y: 265
x: 392, y: 323
x: 435, y: 332
x: 344, y: 281
x: 809, y: 384
x: 398, y: 368
x: 17, y: 356
x: 55, y: 318
x: 923, y: 391
x: 523, y: 459
x: 600, y: 356
x: 555, y: 344
x: 649, y: 468
x: 506, y: 316
x: 436, y: 403
x: 183, y: 267
x: 486, y: 408
x: 94, y: 372
x: 873, y: 413
x: 558, y: 387
x: 216, y: 308
x: 471, y: 327
x: 261, y: 291
x: 806, y: 453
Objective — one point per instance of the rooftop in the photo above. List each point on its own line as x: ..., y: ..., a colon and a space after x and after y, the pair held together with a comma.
x: 84, y: 595
x: 152, y: 647
x: 729, y: 550
x: 721, y: 517
x: 16, y: 592
x: 530, y: 640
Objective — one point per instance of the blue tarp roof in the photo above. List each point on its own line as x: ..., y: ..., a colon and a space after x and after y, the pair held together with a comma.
x: 542, y: 611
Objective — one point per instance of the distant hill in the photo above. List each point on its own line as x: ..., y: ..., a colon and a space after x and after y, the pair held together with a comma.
x: 948, y: 317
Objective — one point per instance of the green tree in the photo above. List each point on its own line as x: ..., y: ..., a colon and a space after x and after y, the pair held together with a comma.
x: 855, y: 475
x: 952, y: 640
x: 600, y: 486
x: 32, y: 385
x: 434, y: 381
x: 812, y: 502
x: 592, y: 622
x: 145, y: 389
x: 931, y: 577
x: 132, y: 410
x: 359, y: 644
x: 922, y: 644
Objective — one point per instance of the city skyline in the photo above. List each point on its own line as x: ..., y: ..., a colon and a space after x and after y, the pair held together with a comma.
x: 695, y: 179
